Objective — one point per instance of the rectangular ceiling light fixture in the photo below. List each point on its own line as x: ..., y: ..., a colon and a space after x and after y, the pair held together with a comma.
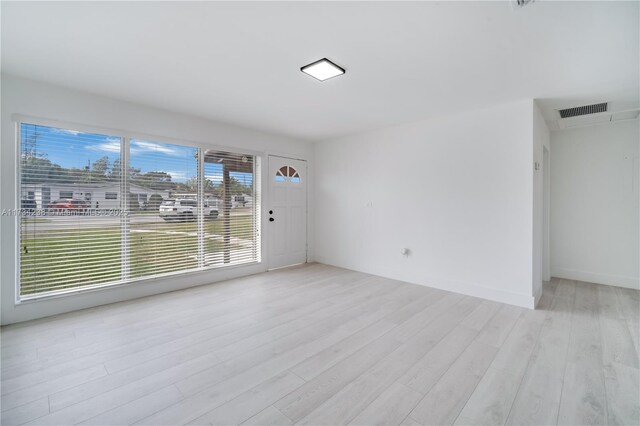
x: 323, y: 69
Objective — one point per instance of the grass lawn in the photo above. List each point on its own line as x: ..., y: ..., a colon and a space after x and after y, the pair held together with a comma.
x: 73, y: 257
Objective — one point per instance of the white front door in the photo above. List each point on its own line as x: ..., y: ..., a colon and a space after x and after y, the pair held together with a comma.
x: 287, y: 212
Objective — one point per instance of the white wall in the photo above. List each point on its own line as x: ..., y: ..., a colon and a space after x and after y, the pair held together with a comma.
x: 45, y: 101
x: 456, y: 190
x: 541, y: 137
x: 595, y: 189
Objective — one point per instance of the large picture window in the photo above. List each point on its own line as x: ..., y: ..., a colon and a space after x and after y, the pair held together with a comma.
x: 99, y: 209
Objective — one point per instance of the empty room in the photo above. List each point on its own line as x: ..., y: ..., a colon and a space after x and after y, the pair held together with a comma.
x: 320, y: 212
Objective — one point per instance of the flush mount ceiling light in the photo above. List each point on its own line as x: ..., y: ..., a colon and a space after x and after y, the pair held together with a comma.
x: 323, y: 69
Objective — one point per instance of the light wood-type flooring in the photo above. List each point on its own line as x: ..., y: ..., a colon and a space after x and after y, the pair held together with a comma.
x: 323, y: 345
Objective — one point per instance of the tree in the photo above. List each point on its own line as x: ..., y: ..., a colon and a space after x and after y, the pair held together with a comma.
x: 116, y: 171
x: 100, y: 169
x: 34, y: 163
x: 216, y: 190
x: 29, y: 146
x: 191, y: 185
x: 238, y: 188
x: 154, y: 201
x: 34, y: 168
x: 155, y: 180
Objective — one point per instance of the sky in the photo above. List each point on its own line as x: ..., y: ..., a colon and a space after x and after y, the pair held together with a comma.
x: 70, y: 148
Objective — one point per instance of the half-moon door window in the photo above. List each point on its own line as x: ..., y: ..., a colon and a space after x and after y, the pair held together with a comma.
x: 287, y: 173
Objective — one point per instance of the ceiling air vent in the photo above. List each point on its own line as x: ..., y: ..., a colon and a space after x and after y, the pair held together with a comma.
x: 518, y: 4
x: 583, y: 110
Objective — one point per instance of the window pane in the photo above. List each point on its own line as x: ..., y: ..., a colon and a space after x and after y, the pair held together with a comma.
x: 65, y: 241
x: 163, y: 230
x: 92, y: 220
x: 229, y: 188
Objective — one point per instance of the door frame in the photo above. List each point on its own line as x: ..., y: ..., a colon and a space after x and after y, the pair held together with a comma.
x: 265, y: 210
x: 546, y: 214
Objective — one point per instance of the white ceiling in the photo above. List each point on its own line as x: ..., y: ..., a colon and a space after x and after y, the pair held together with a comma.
x: 240, y: 62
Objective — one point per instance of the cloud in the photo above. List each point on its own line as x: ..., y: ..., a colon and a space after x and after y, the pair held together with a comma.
x: 67, y: 131
x: 145, y: 147
x: 137, y: 147
x: 111, y: 145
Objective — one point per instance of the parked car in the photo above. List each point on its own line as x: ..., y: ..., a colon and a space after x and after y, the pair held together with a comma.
x: 71, y: 206
x: 185, y: 209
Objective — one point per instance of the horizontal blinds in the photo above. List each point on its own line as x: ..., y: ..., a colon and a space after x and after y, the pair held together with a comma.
x: 229, y: 184
x: 99, y: 209
x: 65, y: 241
x: 162, y: 225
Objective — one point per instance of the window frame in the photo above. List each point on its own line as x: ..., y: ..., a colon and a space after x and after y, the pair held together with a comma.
x: 61, y: 197
x: 127, y: 136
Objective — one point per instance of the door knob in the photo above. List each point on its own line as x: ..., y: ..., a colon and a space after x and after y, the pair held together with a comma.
x: 271, y: 219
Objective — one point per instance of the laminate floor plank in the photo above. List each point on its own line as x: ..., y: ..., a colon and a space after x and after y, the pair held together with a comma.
x: 347, y: 403
x: 583, y: 399
x: 121, y: 314
x: 122, y: 334
x: 355, y: 318
x: 186, y: 361
x: 317, y: 344
x: 167, y: 371
x: 498, y: 328
x: 323, y: 360
x: 622, y: 385
x: 44, y: 389
x: 390, y: 408
x: 164, y: 306
x: 131, y: 412
x: 538, y: 397
x: 241, y: 374
x: 443, y: 402
x: 493, y: 398
x: 315, y: 392
x: 617, y: 342
x: 26, y: 412
x: 629, y: 304
x: 620, y: 360
x: 251, y: 402
x: 482, y: 315
x: 428, y: 370
x: 159, y: 348
x: 270, y: 416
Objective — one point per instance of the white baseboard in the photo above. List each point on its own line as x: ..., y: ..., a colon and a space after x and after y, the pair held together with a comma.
x: 468, y: 289
x: 594, y: 277
x: 476, y: 290
x: 537, y: 296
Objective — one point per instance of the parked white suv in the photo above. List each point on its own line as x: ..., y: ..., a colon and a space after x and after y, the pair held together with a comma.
x: 185, y: 209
